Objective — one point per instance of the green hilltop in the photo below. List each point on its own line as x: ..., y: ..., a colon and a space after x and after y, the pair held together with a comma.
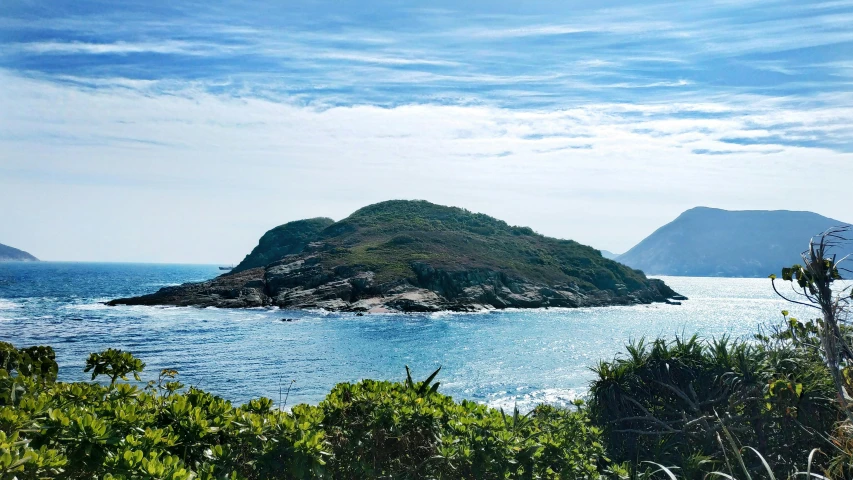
x: 389, y: 237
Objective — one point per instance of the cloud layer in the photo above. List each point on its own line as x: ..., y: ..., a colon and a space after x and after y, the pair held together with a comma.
x: 181, y: 133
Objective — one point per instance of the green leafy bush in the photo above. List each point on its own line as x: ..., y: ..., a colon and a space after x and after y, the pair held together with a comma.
x: 114, y: 364
x: 364, y: 430
x: 408, y: 430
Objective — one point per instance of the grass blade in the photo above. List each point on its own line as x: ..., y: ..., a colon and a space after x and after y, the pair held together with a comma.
x: 735, y: 449
x: 724, y: 475
x: 661, y: 468
x: 764, y: 462
x: 809, y: 466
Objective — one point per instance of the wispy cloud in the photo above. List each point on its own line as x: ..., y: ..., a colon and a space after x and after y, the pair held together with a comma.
x: 528, y: 58
x: 385, y: 60
x: 526, y: 31
x: 509, y: 109
x: 171, y: 47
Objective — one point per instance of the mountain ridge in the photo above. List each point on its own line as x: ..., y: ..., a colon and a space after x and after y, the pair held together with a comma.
x: 706, y: 241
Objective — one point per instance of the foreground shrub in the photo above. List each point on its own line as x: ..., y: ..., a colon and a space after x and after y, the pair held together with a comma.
x: 408, y: 430
x: 694, y: 404
x: 50, y: 429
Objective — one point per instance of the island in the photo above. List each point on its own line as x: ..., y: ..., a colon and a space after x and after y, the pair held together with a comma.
x: 415, y: 256
x: 710, y: 242
x: 609, y: 254
x: 10, y: 254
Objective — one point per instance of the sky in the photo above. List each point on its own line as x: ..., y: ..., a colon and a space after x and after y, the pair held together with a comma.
x: 180, y: 131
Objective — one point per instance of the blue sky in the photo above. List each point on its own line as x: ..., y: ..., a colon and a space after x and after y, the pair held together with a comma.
x: 180, y: 131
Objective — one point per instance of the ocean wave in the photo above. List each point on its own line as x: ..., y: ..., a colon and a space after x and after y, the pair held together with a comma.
x: 448, y: 313
x: 525, y: 402
x: 8, y: 304
x: 97, y: 305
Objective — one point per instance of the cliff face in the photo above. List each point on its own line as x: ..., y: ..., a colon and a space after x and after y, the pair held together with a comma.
x: 709, y: 242
x: 417, y: 256
x: 9, y: 254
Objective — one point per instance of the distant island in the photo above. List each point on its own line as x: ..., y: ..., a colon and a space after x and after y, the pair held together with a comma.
x: 609, y: 254
x: 415, y: 256
x: 709, y: 242
x: 10, y: 254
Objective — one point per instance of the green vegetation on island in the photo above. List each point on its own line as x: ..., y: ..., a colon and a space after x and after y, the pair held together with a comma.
x: 416, y: 256
x: 288, y: 239
x: 388, y: 237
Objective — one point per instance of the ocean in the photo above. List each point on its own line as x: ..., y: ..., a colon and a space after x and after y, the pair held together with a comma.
x: 502, y: 358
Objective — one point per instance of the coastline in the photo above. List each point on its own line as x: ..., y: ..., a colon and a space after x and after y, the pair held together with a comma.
x: 456, y: 292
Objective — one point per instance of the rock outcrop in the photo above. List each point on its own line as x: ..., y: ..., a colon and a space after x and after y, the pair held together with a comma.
x: 420, y: 257
x: 300, y: 283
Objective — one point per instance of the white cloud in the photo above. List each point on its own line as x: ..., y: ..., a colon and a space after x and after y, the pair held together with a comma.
x: 121, y: 48
x: 384, y: 59
x: 526, y: 31
x: 190, y: 176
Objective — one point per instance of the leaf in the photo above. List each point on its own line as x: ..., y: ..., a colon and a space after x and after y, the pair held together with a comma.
x: 409, y: 382
x: 426, y: 382
x: 431, y: 377
x: 434, y: 388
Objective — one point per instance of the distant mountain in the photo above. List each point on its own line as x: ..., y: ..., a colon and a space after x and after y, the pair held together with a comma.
x: 415, y: 256
x: 709, y: 242
x: 608, y: 254
x: 9, y: 254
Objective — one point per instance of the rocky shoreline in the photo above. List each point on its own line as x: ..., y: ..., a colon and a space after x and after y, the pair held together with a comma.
x: 301, y: 282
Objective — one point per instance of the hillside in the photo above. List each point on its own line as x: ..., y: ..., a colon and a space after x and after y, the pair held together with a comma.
x: 9, y: 254
x: 283, y: 240
x: 712, y: 242
x: 416, y: 256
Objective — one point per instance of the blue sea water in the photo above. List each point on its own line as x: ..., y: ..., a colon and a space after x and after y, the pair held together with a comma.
x: 505, y: 358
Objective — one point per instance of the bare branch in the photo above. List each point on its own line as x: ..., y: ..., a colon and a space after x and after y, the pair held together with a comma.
x: 773, y: 282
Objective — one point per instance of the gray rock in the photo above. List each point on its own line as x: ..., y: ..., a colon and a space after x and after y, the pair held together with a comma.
x: 301, y: 283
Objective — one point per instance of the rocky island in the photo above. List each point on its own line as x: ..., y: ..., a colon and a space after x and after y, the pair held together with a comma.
x: 10, y: 254
x: 415, y: 256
